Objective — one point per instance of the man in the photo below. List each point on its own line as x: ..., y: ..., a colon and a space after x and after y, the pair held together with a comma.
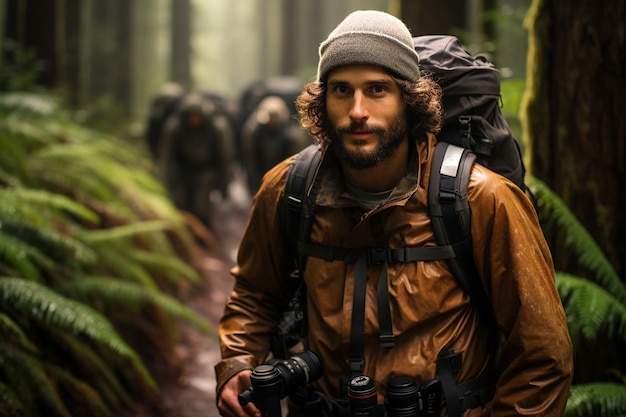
x: 375, y: 118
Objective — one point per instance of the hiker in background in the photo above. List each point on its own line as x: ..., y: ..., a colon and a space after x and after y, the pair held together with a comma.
x: 161, y: 107
x: 270, y: 135
x: 379, y: 316
x: 196, y: 154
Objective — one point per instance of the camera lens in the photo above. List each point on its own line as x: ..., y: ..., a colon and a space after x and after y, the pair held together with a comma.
x: 402, y: 397
x: 299, y: 369
x: 362, y: 396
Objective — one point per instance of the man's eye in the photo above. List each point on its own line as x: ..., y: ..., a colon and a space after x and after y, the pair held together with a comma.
x: 378, y: 89
x: 342, y: 89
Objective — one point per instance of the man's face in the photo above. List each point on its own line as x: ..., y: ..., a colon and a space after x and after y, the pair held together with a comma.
x: 366, y: 115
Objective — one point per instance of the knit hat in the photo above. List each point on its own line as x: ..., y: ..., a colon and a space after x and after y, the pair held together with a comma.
x: 370, y: 37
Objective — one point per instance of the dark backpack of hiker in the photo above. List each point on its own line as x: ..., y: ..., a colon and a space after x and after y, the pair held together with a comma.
x: 471, y: 101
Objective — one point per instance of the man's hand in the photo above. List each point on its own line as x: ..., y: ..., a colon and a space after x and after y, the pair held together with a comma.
x: 228, y: 401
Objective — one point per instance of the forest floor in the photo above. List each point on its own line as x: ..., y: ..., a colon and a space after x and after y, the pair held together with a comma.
x: 193, y: 393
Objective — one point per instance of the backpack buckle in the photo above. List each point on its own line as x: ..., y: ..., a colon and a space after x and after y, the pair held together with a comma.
x: 376, y: 256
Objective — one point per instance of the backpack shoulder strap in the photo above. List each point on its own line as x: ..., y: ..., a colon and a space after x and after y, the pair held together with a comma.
x: 299, y: 181
x: 450, y: 217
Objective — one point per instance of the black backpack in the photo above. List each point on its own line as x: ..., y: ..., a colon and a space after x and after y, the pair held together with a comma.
x: 474, y: 130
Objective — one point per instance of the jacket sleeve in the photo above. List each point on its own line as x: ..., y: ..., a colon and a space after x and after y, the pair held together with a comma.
x: 259, y: 296
x: 512, y: 256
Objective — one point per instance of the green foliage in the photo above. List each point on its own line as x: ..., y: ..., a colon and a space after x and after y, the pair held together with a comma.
x: 597, y: 399
x: 591, y: 309
x: 595, y: 304
x: 113, y: 291
x: 91, y: 249
x: 556, y: 215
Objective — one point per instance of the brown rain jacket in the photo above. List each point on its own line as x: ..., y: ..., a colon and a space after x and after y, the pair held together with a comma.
x: 430, y: 312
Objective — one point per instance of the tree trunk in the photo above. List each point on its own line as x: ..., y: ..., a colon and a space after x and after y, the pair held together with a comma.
x: 574, y: 114
x: 180, y: 65
x: 427, y: 17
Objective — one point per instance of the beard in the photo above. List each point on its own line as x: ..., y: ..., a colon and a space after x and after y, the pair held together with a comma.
x: 389, y: 141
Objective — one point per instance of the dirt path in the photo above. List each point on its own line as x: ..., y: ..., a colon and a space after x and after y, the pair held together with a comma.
x: 194, y: 394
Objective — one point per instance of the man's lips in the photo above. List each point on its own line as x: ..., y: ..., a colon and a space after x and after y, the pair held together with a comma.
x: 359, y: 134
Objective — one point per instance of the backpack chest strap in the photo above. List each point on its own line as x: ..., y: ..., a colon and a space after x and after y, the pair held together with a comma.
x: 376, y: 256
x: 362, y: 258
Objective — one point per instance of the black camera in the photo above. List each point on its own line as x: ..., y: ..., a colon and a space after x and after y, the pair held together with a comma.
x: 277, y: 378
x: 408, y: 398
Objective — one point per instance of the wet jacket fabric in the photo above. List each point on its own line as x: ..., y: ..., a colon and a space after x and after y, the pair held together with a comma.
x: 430, y: 312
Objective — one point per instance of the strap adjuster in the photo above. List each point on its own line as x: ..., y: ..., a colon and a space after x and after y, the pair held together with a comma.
x: 386, y: 341
x: 356, y: 365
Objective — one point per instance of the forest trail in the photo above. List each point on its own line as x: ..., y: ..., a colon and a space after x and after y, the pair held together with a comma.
x: 193, y: 395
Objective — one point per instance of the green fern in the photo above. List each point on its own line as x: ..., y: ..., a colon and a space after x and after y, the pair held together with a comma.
x: 115, y: 233
x: 61, y: 248
x: 29, y: 103
x: 30, y: 384
x: 554, y: 211
x: 12, y: 333
x: 80, y: 392
x: 10, y: 403
x: 108, y: 288
x: 40, y: 303
x: 114, y: 259
x: 170, y: 266
x: 596, y: 400
x: 98, y: 369
x: 591, y: 309
x: 23, y: 202
x: 18, y: 257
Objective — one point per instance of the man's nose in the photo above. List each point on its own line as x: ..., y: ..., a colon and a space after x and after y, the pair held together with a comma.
x: 358, y: 110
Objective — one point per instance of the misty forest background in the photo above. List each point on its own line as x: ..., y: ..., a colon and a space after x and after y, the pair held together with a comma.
x: 94, y: 257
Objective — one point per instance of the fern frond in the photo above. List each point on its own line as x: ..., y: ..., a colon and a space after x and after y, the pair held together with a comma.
x: 115, y: 260
x: 597, y: 399
x: 23, y: 199
x: 115, y: 233
x: 63, y: 249
x: 12, y: 161
x: 170, y: 266
x: 27, y: 104
x: 43, y: 304
x: 590, y: 255
x: 14, y: 255
x: 80, y: 392
x: 591, y: 309
x: 30, y: 383
x: 97, y: 369
x: 10, y: 404
x: 130, y: 294
x: 12, y: 333
x: 69, y: 167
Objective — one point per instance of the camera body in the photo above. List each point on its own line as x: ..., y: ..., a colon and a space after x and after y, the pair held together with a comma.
x: 277, y: 378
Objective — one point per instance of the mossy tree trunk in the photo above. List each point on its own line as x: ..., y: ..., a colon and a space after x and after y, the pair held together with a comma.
x: 574, y: 125
x: 573, y: 114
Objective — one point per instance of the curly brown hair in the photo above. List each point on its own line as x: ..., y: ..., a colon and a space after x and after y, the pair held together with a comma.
x: 423, y: 103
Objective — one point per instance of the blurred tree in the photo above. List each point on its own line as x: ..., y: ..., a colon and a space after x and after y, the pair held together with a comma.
x: 430, y: 18
x: 180, y: 71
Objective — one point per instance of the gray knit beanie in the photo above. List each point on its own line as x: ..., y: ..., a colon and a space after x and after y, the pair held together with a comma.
x: 370, y: 37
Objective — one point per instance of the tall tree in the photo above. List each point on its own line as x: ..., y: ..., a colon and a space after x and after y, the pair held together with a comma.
x: 180, y: 65
x: 572, y: 117
x: 574, y: 113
